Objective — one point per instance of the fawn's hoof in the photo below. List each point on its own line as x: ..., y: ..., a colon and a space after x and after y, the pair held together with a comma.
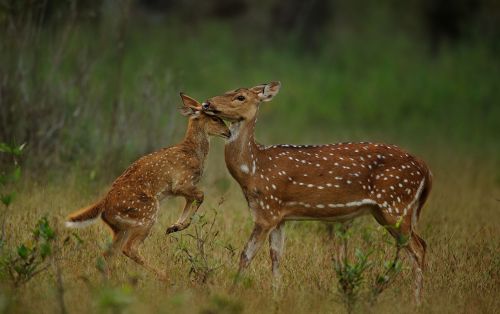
x: 172, y: 229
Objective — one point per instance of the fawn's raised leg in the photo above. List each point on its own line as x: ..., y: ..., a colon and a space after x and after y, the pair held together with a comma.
x: 194, y: 199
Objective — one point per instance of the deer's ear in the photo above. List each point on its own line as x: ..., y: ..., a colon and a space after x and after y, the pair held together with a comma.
x: 258, y: 88
x: 190, y: 102
x: 266, y: 92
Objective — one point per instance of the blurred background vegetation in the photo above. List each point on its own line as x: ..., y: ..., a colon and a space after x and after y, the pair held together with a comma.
x: 90, y: 82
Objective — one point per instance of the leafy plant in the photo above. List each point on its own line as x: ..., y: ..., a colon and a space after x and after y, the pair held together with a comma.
x: 9, y: 176
x: 31, y: 258
x: 200, y: 247
x: 392, y: 268
x: 352, y: 281
x: 350, y: 274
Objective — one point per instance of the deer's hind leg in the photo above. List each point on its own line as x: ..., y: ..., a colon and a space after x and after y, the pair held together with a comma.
x: 416, y: 250
x: 400, y: 227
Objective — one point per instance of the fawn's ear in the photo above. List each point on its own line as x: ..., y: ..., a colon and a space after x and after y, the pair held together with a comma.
x: 266, y: 92
x: 191, y: 106
x: 190, y: 102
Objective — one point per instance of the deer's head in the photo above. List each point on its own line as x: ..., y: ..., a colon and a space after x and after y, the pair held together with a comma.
x: 242, y: 103
x: 211, y: 124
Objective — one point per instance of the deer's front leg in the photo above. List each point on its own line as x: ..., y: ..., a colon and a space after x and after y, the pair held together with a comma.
x: 276, y: 245
x: 194, y: 199
x: 253, y: 245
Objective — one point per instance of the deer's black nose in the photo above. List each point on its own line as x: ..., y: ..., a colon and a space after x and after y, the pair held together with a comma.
x: 205, y: 105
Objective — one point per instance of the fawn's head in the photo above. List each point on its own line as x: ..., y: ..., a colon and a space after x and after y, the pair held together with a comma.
x: 242, y: 103
x: 212, y: 125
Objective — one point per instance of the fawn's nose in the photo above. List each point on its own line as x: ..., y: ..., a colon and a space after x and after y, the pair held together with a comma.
x: 205, y: 105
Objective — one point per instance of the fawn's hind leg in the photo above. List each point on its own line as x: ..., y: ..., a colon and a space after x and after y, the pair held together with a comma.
x: 131, y: 249
x: 119, y: 239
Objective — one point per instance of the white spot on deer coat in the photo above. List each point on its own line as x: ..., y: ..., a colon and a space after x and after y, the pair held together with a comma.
x: 244, y: 168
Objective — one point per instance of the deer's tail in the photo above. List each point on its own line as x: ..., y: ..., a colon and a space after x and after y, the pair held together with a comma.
x: 426, y: 191
x: 85, y: 216
x: 423, y: 192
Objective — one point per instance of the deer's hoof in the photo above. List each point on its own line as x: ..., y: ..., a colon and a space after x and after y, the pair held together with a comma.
x: 172, y: 229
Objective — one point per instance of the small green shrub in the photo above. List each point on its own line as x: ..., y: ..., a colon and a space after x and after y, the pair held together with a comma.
x: 353, y: 274
x: 201, y: 247
x: 31, y: 258
x: 25, y: 261
x: 8, y: 176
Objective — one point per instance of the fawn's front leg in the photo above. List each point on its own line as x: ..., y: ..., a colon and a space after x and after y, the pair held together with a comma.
x: 194, y: 198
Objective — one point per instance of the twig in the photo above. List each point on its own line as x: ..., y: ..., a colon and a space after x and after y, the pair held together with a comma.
x: 59, y: 287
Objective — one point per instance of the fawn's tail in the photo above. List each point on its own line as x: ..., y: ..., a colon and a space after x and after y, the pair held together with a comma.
x: 85, y: 216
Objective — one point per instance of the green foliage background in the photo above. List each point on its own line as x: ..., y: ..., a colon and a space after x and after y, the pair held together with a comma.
x: 102, y: 83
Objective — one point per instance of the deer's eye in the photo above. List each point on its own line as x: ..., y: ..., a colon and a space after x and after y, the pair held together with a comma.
x: 215, y: 119
x: 240, y: 98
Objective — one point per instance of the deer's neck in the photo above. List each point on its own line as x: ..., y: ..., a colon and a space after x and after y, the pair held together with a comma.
x: 241, y: 150
x: 196, y: 139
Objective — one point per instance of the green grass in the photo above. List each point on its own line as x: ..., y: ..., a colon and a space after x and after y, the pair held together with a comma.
x: 459, y: 224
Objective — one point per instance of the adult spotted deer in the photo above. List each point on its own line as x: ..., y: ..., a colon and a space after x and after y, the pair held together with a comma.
x: 335, y: 182
x: 130, y: 207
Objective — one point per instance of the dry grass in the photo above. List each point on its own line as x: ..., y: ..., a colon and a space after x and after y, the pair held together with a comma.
x: 459, y: 223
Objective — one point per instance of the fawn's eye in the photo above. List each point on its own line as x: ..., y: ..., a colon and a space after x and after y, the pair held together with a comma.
x: 240, y: 98
x: 215, y: 119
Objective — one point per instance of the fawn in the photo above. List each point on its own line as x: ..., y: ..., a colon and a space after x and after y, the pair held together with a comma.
x: 130, y: 207
x: 335, y: 182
